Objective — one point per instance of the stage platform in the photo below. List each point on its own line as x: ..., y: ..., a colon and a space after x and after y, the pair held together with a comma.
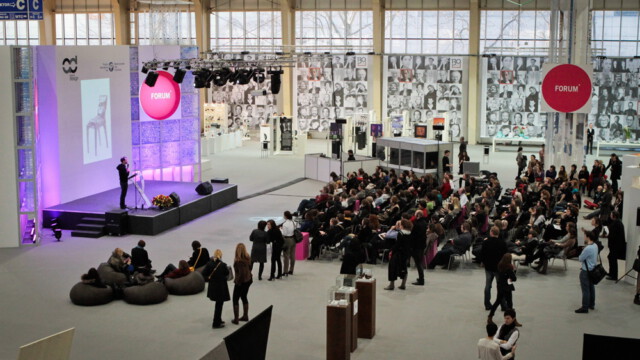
x: 148, y: 221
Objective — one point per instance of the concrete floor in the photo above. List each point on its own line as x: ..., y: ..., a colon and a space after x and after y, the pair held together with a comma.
x: 442, y: 320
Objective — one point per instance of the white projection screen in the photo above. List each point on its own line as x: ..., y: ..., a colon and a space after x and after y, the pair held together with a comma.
x: 96, y: 120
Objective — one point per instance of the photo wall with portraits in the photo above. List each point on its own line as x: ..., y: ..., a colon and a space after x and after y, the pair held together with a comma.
x: 615, y: 101
x: 427, y: 86
x: 330, y: 87
x: 243, y: 107
x: 511, y: 103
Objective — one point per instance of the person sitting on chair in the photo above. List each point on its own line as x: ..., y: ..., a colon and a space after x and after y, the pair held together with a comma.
x: 455, y: 246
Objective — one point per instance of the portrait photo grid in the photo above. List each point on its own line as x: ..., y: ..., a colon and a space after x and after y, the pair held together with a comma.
x: 427, y: 86
x: 330, y: 87
x: 614, y: 100
x: 511, y: 107
x: 243, y: 107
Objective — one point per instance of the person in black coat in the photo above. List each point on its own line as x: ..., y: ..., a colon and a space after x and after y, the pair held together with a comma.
x: 260, y: 239
x: 616, y: 171
x: 353, y: 256
x: 400, y: 252
x: 140, y: 257
x: 274, y: 236
x: 216, y: 273
x: 419, y: 244
x: 590, y: 134
x: 493, y: 249
x: 200, y: 256
x: 617, y: 244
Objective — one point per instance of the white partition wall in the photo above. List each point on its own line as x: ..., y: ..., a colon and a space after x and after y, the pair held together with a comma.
x: 630, y: 184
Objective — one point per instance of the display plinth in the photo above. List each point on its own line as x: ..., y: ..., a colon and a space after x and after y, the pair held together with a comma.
x: 338, y: 332
x: 353, y: 305
x: 366, y: 308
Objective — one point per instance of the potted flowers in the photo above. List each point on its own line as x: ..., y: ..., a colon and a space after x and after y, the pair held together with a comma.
x: 162, y: 201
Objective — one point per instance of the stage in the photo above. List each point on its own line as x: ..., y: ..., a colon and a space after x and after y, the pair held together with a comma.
x: 148, y: 221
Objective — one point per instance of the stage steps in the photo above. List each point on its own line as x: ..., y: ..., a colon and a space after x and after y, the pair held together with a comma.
x: 90, y: 227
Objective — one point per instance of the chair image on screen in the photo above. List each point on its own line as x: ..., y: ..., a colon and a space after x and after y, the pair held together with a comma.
x: 97, y: 123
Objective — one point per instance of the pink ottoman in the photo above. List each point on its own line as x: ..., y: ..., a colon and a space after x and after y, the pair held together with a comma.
x: 302, y: 248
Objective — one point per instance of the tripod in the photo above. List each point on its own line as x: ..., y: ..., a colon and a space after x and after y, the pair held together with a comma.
x: 636, y: 267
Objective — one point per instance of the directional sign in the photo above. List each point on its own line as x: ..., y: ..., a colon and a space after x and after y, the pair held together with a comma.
x: 21, y: 9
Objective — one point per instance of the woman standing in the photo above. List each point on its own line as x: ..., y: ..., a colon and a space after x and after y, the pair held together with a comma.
x: 289, y: 247
x: 277, y: 241
x: 400, y: 252
x: 243, y: 280
x: 259, y: 249
x: 588, y: 259
x: 521, y: 161
x: 506, y: 276
x: 462, y: 157
x: 216, y: 273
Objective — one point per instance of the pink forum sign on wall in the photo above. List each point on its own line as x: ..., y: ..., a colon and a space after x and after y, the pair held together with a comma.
x: 161, y: 100
x: 566, y: 88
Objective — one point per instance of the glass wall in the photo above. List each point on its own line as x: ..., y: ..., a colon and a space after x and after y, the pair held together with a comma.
x: 19, y: 32
x: 159, y: 27
x: 334, y: 31
x: 427, y: 32
x: 524, y: 32
x: 252, y: 30
x: 85, y: 29
x: 615, y: 33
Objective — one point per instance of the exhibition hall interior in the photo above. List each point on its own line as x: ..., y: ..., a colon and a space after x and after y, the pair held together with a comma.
x: 379, y: 179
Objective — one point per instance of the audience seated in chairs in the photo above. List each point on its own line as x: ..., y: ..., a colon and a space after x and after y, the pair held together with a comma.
x: 458, y: 246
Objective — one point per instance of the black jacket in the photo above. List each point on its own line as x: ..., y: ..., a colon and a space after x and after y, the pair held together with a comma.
x: 493, y: 249
x: 140, y: 257
x: 202, y: 261
x: 216, y: 274
x: 419, y: 234
x: 616, y: 169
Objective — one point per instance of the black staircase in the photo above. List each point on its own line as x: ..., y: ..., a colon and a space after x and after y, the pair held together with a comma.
x: 90, y: 227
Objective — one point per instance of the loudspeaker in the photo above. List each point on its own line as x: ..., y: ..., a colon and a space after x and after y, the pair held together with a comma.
x: 486, y: 150
x: 116, y: 222
x: 176, y: 199
x: 204, y: 188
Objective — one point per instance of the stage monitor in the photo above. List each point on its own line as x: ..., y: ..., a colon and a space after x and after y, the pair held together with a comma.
x: 438, y: 124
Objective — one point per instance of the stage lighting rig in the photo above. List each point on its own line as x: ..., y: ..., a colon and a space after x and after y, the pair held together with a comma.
x: 178, y: 76
x: 151, y: 79
x: 221, y: 76
x: 275, y: 80
x: 201, y: 78
x: 166, y: 66
x: 259, y: 76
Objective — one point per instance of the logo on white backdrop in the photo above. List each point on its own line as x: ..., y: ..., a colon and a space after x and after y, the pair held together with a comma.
x: 161, y: 100
x: 111, y: 66
x: 566, y: 88
x: 70, y: 65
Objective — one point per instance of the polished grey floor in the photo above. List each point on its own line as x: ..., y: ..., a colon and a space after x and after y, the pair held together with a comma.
x: 442, y: 320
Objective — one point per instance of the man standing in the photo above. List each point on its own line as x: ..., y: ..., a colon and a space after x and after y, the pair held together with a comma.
x: 446, y: 163
x: 492, y: 251
x: 123, y: 173
x: 590, y: 133
x: 588, y: 259
x: 488, y: 349
x: 616, y: 171
x: 617, y: 244
x: 419, y: 244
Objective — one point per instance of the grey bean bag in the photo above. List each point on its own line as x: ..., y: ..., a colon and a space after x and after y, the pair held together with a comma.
x: 152, y: 293
x: 186, y: 285
x: 110, y: 276
x: 87, y: 295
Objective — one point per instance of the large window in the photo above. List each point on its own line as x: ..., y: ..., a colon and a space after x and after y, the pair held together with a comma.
x: 335, y: 31
x: 19, y: 32
x: 159, y: 27
x: 615, y: 33
x: 427, y: 32
x: 251, y: 30
x: 85, y: 29
x: 523, y: 32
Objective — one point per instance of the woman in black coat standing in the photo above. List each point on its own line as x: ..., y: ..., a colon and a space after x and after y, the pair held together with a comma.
x: 259, y: 249
x: 216, y: 273
x: 400, y: 252
x: 277, y: 241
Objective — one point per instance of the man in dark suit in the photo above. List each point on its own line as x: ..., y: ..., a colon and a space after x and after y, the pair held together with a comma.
x: 617, y: 244
x: 140, y: 257
x: 454, y: 246
x: 590, y: 133
x: 123, y: 174
x: 493, y: 248
x: 616, y: 171
x: 419, y: 244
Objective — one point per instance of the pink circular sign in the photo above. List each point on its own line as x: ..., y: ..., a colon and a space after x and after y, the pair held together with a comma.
x: 161, y: 100
x: 566, y: 88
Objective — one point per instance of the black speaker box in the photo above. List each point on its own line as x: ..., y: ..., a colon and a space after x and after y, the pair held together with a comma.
x: 204, y: 188
x: 116, y: 217
x: 220, y: 180
x: 486, y: 150
x: 116, y: 230
x: 176, y: 199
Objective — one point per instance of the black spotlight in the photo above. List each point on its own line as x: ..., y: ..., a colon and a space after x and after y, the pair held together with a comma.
x: 178, y: 76
x: 151, y: 79
x: 166, y: 65
x: 259, y: 76
x: 221, y: 76
x: 144, y: 69
x: 350, y: 53
x: 244, y: 76
x: 275, y: 81
x: 200, y: 79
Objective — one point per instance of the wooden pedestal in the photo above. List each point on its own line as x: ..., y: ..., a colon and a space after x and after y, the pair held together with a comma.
x: 338, y: 332
x: 366, y: 308
x: 353, y: 305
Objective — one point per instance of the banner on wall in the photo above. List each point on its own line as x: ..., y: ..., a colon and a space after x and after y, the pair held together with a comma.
x: 566, y: 88
x: 286, y: 134
x: 511, y: 105
x: 615, y: 100
x: 335, y: 86
x: 428, y: 86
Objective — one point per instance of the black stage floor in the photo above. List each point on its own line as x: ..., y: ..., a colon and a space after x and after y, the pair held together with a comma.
x: 148, y: 221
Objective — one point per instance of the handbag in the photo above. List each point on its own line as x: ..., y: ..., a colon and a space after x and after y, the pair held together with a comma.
x: 230, y: 275
x: 597, y: 273
x: 297, y: 236
x: 193, y: 268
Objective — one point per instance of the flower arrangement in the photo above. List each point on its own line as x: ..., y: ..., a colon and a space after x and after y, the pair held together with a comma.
x: 162, y: 201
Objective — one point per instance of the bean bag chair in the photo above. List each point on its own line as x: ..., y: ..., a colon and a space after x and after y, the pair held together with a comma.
x: 152, y: 293
x: 186, y: 285
x: 87, y: 295
x: 110, y: 276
